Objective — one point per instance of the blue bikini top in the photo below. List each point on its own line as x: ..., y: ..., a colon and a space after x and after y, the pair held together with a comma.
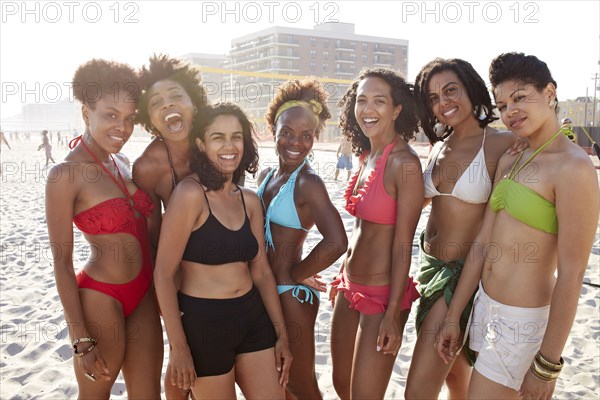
x: 282, y: 209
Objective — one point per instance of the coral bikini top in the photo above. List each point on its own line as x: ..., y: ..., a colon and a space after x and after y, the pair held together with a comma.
x: 371, y: 202
x: 117, y: 215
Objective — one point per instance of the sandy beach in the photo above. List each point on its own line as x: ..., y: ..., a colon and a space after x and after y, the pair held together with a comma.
x: 36, y: 356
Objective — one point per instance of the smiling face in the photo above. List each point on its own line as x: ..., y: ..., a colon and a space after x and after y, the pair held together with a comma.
x: 295, y: 134
x: 523, y: 109
x: 111, y: 122
x: 223, y: 143
x: 448, y: 99
x: 170, y: 109
x: 374, y: 109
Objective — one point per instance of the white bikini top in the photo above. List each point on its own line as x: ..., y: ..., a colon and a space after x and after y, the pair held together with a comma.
x: 474, y: 185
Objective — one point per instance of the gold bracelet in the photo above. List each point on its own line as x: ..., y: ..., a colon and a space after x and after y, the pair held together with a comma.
x: 549, y: 365
x: 550, y: 374
x: 538, y: 376
x: 543, y: 373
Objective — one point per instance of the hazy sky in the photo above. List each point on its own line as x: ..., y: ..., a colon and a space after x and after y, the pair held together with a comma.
x: 43, y: 42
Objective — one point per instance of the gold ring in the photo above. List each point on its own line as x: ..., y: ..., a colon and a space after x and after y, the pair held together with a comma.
x: 91, y: 377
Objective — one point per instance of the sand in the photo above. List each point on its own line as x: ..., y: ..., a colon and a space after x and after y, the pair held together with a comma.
x: 36, y: 357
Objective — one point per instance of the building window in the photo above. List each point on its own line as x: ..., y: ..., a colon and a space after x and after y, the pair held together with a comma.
x: 325, y: 42
x: 364, y: 58
x: 365, y: 46
x: 325, y: 55
x: 313, y: 41
x: 313, y: 53
x: 353, y: 44
x: 325, y: 67
x: 289, y: 52
x: 352, y: 56
x: 338, y: 43
x: 313, y: 67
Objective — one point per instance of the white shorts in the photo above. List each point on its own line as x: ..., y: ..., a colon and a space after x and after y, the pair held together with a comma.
x: 506, y: 338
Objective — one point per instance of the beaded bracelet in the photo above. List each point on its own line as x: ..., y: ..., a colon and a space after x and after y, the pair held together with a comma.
x: 83, y: 340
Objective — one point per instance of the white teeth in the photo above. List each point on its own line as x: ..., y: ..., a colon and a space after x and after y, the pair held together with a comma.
x: 171, y: 115
x: 449, y: 112
x: 369, y: 120
x: 228, y: 156
x: 117, y: 138
x: 294, y: 153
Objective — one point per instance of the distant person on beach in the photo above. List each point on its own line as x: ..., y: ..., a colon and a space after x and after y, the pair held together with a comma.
x: 294, y: 199
x: 567, y: 126
x: 172, y: 96
x: 109, y: 306
x: 453, y: 102
x: 530, y: 256
x: 3, y: 140
x: 223, y: 320
x: 373, y: 292
x: 47, y: 147
x: 344, y: 158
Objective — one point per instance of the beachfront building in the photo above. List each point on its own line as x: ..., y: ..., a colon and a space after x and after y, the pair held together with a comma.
x: 262, y: 60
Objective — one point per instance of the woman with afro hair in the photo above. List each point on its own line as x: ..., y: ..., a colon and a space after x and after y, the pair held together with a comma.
x: 109, y: 305
x: 172, y: 95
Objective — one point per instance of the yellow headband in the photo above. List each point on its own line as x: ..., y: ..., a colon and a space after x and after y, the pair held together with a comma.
x: 313, y: 106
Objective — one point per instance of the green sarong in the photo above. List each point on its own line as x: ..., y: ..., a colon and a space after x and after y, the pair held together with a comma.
x: 438, y: 278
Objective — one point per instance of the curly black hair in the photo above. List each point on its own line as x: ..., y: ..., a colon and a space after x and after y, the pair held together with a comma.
x: 209, y: 175
x: 475, y: 88
x: 306, y: 90
x: 527, y: 69
x: 406, y: 125
x: 163, y: 67
x: 98, y: 78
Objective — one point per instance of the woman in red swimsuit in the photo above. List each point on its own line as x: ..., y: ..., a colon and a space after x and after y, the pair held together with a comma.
x: 374, y: 292
x: 111, y: 313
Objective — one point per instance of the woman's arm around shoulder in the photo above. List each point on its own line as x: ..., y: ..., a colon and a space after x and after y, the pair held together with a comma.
x: 263, y: 174
x: 500, y: 142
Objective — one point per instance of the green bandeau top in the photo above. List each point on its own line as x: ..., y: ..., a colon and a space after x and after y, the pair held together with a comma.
x: 523, y: 203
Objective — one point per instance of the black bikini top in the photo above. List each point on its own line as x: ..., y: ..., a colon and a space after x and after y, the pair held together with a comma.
x: 214, y: 244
